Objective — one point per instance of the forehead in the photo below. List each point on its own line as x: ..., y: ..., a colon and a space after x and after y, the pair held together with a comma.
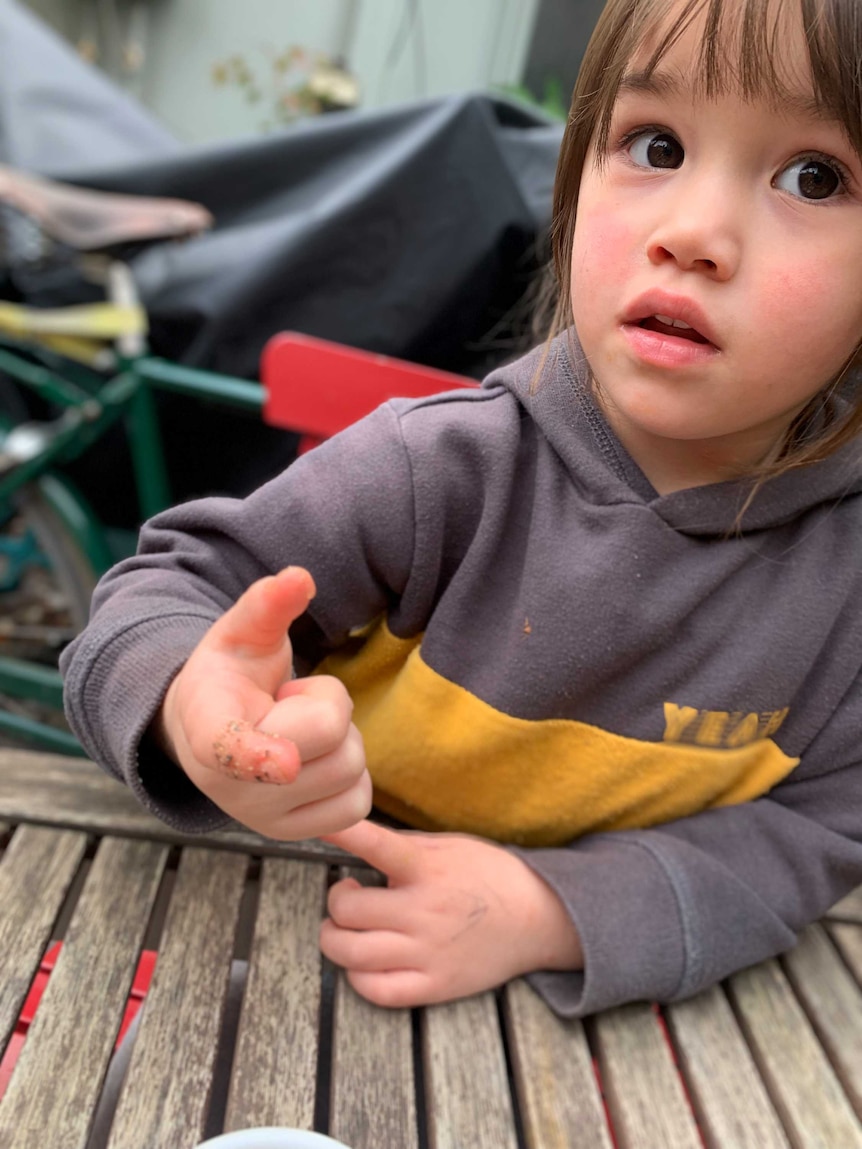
x: 707, y: 48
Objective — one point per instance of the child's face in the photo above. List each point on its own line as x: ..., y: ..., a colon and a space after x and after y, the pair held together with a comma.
x: 740, y: 219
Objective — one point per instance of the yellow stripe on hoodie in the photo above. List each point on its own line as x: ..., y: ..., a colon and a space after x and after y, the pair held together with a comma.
x: 442, y: 759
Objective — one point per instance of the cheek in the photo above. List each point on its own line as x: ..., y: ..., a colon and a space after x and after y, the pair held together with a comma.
x: 602, y: 240
x: 602, y: 253
x: 816, y: 315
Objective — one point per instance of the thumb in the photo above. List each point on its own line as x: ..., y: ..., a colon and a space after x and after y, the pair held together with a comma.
x: 390, y: 851
x: 257, y: 622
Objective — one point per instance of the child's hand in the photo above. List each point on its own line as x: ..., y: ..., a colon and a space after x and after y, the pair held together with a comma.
x: 459, y: 916
x: 280, y: 756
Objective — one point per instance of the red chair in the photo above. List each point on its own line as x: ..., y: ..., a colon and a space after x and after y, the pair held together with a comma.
x: 318, y: 388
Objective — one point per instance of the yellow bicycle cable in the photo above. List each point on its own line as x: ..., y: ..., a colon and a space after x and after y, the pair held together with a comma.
x: 87, y: 320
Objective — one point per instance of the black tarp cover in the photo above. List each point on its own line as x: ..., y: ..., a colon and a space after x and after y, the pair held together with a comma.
x: 412, y: 231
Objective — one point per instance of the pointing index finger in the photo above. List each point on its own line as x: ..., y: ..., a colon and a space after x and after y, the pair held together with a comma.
x: 389, y: 851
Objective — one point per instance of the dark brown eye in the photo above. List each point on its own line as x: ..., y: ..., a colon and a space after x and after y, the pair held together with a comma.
x: 656, y: 150
x: 818, y: 181
x: 810, y: 179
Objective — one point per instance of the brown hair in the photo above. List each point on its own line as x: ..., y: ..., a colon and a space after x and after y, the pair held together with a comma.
x: 742, y: 55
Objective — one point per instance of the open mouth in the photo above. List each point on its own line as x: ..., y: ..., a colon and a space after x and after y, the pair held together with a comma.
x: 676, y: 328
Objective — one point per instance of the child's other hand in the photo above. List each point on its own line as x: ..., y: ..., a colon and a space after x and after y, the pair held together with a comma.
x: 279, y: 755
x: 458, y: 916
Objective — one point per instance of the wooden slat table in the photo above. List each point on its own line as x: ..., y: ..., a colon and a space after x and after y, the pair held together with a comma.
x: 771, y: 1060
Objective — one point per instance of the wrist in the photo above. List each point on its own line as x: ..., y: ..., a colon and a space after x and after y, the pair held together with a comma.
x: 160, y: 727
x: 548, y: 930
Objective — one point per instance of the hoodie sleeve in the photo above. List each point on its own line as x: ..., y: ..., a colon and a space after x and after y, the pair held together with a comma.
x: 665, y: 912
x: 344, y: 511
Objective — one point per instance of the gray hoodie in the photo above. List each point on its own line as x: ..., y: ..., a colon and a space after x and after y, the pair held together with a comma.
x: 659, y: 711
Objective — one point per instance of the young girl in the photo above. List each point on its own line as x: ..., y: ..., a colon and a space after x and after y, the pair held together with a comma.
x: 596, y: 628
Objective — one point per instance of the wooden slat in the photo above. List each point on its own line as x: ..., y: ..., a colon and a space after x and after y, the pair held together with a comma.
x: 848, y: 939
x: 801, y: 1083
x: 466, y: 1087
x: 36, y: 871
x: 644, y: 1092
x: 849, y: 909
x: 561, y: 1105
x: 56, y: 1083
x: 833, y: 1002
x: 166, y: 1095
x: 371, y: 1106
x: 373, y: 1089
x: 729, y: 1098
x: 53, y: 790
x: 275, y: 1066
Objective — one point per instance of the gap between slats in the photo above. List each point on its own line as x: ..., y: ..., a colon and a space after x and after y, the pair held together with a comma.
x: 151, y: 943
x: 763, y: 1000
x: 371, y: 1105
x: 276, y: 1071
x: 171, y: 1074
x: 104, y: 937
x: 553, y: 1076
x: 469, y: 1097
x: 817, y: 963
x: 56, y: 906
x: 648, y: 1100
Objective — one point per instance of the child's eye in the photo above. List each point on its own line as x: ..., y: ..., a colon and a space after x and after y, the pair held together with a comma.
x: 655, y: 149
x: 812, y: 178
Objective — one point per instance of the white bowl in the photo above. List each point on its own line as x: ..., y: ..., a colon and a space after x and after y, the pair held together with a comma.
x: 272, y: 1138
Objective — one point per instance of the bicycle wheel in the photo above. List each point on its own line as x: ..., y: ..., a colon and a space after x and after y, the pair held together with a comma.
x: 45, y: 587
x: 49, y: 580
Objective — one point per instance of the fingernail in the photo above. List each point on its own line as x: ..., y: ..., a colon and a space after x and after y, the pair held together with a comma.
x: 313, y: 588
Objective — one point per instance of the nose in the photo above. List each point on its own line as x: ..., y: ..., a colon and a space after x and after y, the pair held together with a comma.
x: 700, y: 229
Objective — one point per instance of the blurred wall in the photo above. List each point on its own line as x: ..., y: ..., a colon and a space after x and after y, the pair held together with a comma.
x: 397, y: 49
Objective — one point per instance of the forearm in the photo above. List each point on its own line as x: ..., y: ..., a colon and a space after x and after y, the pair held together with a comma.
x: 116, y: 674
x: 665, y: 912
x: 194, y: 561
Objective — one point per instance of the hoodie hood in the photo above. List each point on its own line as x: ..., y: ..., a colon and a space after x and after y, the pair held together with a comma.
x: 553, y: 384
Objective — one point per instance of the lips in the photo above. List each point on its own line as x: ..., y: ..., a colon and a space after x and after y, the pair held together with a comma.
x: 670, y: 315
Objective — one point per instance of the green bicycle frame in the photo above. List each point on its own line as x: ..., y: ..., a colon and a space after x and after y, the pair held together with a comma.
x: 90, y: 405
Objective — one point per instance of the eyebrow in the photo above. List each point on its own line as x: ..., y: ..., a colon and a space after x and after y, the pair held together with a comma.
x: 665, y: 84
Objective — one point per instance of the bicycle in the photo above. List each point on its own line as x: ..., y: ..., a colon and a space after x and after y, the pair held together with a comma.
x: 88, y: 364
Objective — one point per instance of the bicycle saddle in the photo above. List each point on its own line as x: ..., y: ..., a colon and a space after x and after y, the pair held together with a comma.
x: 91, y: 221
